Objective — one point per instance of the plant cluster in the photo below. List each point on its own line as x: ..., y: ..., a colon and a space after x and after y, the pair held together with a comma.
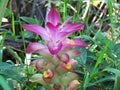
x: 59, y: 45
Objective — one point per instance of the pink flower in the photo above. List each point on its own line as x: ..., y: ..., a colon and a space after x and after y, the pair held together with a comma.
x: 73, y: 85
x: 69, y: 66
x: 48, y: 75
x: 54, y: 34
x: 39, y: 64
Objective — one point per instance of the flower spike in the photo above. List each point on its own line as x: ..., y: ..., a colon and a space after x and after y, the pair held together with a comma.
x: 56, y: 63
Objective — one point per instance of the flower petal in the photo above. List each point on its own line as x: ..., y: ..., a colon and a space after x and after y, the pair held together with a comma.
x: 38, y: 64
x: 64, y: 57
x: 73, y: 85
x: 71, y: 43
x: 73, y: 62
x: 61, y: 35
x: 48, y: 75
x: 52, y: 31
x: 70, y: 28
x: 73, y: 53
x: 37, y: 30
x: 67, y: 66
x: 65, y: 22
x: 35, y: 47
x: 54, y: 49
x: 37, y: 78
x: 53, y: 17
x: 79, y: 43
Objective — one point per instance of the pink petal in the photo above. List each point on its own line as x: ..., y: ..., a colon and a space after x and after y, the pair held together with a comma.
x: 52, y: 31
x: 71, y: 43
x: 37, y: 30
x: 35, y: 47
x: 50, y: 77
x: 79, y: 43
x: 54, y: 49
x: 61, y: 35
x: 53, y: 17
x: 67, y: 66
x: 64, y: 58
x: 66, y: 22
x: 73, y: 53
x: 73, y: 85
x: 70, y: 28
x: 73, y: 62
x: 38, y: 64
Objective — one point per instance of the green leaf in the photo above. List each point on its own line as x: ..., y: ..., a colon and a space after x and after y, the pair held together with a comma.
x: 117, y: 50
x: 1, y: 54
x: 99, y: 60
x: 11, y: 71
x: 113, y: 70
x: 3, y: 4
x: 15, y: 54
x: 40, y: 88
x: 108, y: 78
x: 110, y: 8
x: 28, y: 34
x: 117, y: 83
x: 102, y: 37
x: 30, y: 20
x: 4, y: 83
x: 114, y: 24
x: 82, y: 59
x: 5, y: 66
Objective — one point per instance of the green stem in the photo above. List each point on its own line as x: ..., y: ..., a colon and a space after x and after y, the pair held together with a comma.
x: 13, y: 24
x: 110, y: 11
x: 65, y: 10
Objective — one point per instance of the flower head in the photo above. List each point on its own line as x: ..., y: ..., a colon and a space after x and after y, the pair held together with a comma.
x: 55, y: 34
x: 57, y: 63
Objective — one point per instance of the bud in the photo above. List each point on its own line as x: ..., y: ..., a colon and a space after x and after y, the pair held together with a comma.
x: 48, y: 75
x: 67, y: 66
x: 38, y: 64
x: 64, y: 58
x: 73, y: 62
x: 37, y: 78
x: 73, y: 53
x: 73, y: 85
x: 68, y: 77
x: 57, y: 87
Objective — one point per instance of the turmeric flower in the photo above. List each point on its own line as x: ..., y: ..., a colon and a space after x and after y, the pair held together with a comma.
x: 57, y: 63
x: 55, y: 34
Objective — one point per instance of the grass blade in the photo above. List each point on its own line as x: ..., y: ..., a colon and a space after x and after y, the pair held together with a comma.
x: 3, y: 4
x: 4, y: 84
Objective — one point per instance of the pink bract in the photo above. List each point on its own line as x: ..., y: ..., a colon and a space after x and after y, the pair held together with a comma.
x: 55, y: 34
